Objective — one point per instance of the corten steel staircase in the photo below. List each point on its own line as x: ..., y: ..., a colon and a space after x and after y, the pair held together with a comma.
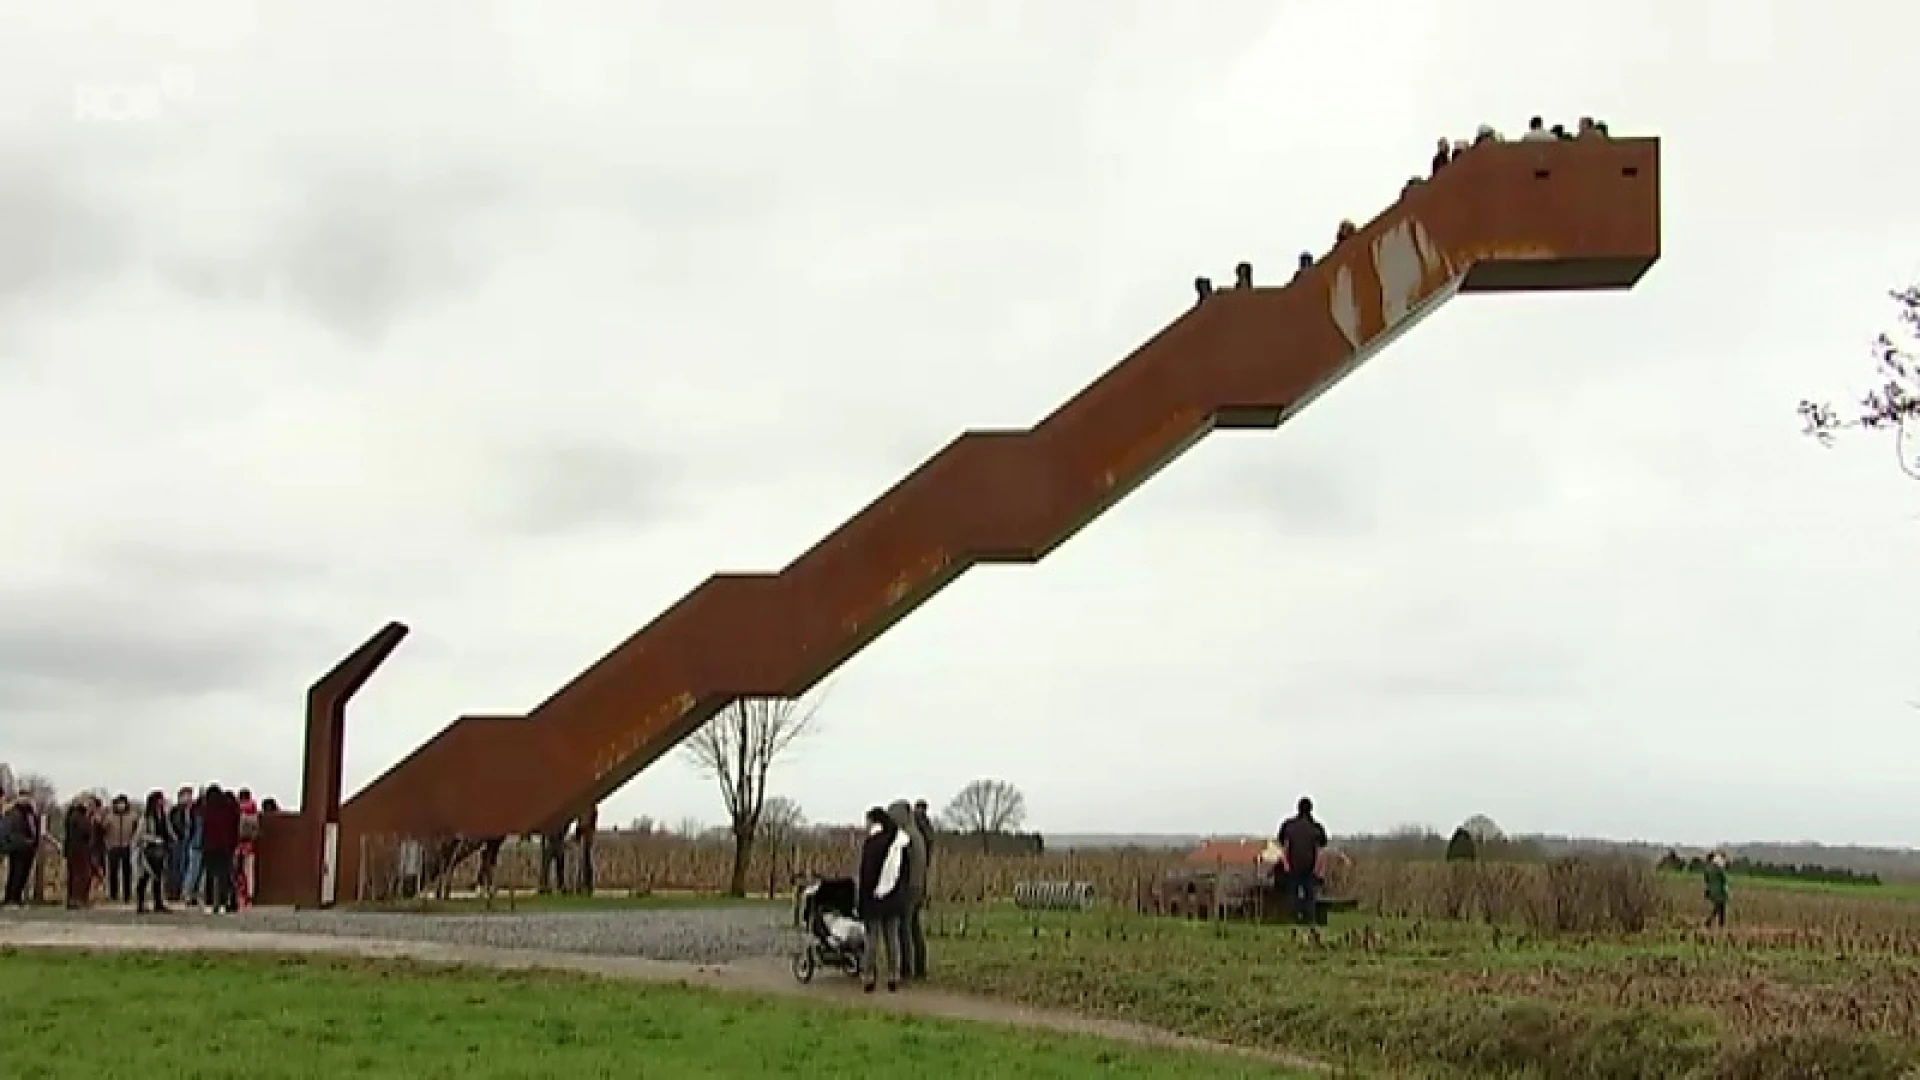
x: 1503, y: 217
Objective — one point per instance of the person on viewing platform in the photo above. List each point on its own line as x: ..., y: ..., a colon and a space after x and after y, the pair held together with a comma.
x: 1442, y: 154
x: 1537, y: 131
x: 1243, y: 276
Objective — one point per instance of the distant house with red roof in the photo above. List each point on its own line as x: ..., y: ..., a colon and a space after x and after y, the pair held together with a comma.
x: 1235, y: 854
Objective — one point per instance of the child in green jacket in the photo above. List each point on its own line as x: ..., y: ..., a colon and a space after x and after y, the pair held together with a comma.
x: 1716, y: 874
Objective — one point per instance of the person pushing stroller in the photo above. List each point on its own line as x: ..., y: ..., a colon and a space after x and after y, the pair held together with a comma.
x: 884, y: 895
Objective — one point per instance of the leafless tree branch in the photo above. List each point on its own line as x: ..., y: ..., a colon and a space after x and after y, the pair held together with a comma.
x: 987, y: 806
x: 1893, y: 403
x: 738, y: 748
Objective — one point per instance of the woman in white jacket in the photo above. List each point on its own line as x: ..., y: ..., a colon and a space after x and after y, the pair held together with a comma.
x: 883, y: 896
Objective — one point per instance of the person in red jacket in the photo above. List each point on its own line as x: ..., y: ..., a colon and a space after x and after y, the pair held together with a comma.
x: 219, y: 839
x: 244, y: 855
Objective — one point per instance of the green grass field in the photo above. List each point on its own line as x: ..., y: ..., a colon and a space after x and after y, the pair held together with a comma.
x: 107, y: 1016
x: 1469, y: 999
x: 1892, y: 890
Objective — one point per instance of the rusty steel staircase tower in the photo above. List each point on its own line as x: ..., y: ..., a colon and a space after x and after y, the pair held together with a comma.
x: 1502, y: 217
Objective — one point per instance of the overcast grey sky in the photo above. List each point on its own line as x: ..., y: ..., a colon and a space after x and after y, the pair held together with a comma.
x: 690, y: 284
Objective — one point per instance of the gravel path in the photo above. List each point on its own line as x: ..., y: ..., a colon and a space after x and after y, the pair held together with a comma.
x: 734, y: 949
x: 694, y: 935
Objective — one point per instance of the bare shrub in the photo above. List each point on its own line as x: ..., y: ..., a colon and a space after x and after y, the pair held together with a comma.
x: 1593, y: 895
x: 1584, y: 895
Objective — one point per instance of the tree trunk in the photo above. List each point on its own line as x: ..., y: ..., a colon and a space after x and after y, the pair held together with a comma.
x: 742, y: 851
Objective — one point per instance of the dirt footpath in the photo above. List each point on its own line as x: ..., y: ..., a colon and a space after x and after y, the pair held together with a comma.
x: 761, y: 977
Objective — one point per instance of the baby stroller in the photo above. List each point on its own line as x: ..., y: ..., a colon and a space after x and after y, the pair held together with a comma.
x: 825, y: 909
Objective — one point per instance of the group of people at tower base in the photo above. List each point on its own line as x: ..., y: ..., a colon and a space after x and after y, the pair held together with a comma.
x: 200, y: 848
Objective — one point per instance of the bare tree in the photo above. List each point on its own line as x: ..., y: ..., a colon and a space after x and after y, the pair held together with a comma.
x: 46, y: 797
x: 780, y: 819
x: 780, y: 823
x: 1483, y: 830
x: 986, y: 807
x: 1894, y: 401
x: 738, y: 748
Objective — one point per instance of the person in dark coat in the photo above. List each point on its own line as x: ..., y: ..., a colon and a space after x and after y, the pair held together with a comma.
x: 584, y: 831
x: 183, y: 864
x: 1302, y: 839
x: 77, y: 837
x: 97, y: 817
x: 921, y: 819
x: 553, y: 859
x: 19, y: 844
x: 152, y: 839
x: 883, y: 896
x: 219, y: 839
x: 913, y: 937
x: 489, y: 865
